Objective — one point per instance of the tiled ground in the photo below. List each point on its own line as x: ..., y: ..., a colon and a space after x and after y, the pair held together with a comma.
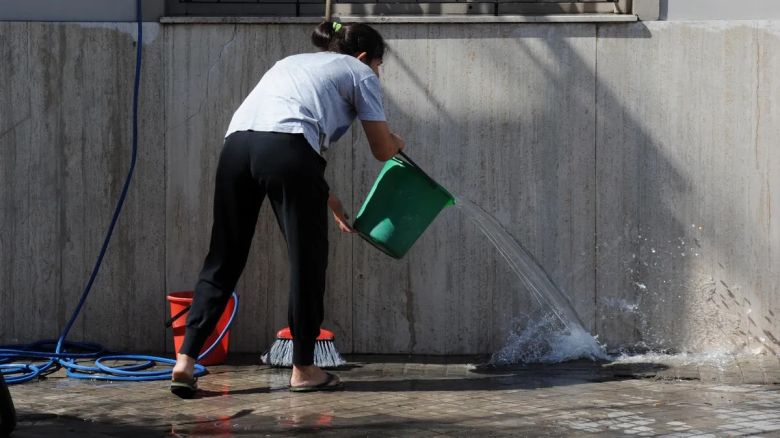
x: 402, y: 396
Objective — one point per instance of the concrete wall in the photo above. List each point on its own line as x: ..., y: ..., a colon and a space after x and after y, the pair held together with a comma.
x: 636, y: 161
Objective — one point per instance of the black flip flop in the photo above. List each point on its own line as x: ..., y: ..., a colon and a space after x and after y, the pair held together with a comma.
x: 184, y: 388
x: 327, y: 385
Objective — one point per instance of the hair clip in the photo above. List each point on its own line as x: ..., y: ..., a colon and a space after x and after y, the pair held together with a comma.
x: 336, y: 26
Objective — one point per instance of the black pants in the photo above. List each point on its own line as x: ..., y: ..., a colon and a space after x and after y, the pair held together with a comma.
x: 285, y: 168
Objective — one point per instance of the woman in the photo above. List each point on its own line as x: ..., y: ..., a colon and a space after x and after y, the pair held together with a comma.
x: 273, y: 148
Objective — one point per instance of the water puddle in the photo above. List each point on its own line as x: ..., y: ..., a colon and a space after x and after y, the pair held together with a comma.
x: 718, y: 359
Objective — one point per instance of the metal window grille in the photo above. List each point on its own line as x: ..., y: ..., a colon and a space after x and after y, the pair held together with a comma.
x: 314, y: 8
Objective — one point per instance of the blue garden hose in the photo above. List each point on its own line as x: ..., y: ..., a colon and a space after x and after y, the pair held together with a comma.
x: 67, y: 354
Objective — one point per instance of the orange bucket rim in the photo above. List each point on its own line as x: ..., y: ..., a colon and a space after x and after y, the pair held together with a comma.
x: 180, y: 297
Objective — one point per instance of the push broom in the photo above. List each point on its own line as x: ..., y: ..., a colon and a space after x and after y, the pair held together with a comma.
x: 325, y: 354
x: 280, y: 353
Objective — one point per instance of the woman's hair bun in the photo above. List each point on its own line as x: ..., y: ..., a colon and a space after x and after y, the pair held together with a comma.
x: 322, y: 35
x: 349, y: 39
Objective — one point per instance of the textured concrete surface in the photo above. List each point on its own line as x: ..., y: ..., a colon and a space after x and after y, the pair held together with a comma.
x: 687, y: 168
x: 635, y: 161
x: 385, y: 396
x: 65, y: 134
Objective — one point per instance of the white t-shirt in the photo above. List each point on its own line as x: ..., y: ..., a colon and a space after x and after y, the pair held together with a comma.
x: 314, y: 94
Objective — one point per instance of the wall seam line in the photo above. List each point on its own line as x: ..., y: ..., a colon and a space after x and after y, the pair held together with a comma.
x: 352, y: 244
x: 757, y: 94
x: 595, y: 179
x: 164, y: 93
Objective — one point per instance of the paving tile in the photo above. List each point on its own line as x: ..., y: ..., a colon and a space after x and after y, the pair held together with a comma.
x: 420, y: 398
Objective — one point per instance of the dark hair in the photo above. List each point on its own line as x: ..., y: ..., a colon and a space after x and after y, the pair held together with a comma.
x: 348, y: 39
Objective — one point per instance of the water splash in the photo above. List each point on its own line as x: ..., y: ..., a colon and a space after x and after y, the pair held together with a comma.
x: 558, y: 337
x: 545, y: 340
x: 621, y: 305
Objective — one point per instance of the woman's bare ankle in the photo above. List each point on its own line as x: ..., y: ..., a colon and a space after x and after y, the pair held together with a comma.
x: 184, y: 368
x: 307, y: 375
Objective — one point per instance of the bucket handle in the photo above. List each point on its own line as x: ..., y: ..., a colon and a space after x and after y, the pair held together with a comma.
x: 409, y: 160
x: 170, y: 320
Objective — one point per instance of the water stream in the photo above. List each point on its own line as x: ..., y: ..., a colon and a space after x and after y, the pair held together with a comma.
x: 556, y: 337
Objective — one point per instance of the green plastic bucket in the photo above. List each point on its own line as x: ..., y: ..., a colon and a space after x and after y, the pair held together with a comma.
x: 401, y: 205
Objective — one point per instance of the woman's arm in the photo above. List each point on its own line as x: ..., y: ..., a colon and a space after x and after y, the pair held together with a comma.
x: 384, y: 144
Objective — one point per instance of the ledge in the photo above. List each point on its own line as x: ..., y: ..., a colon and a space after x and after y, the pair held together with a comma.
x: 556, y: 18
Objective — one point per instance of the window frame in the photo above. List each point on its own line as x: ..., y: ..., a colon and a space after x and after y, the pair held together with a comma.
x: 404, y: 8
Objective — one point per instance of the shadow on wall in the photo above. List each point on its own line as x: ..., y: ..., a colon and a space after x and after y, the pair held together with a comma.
x: 513, y: 155
x: 658, y: 252
x: 626, y: 316
x: 659, y: 212
x: 653, y: 288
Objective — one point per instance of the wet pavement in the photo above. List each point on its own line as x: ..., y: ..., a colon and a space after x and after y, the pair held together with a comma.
x: 418, y: 396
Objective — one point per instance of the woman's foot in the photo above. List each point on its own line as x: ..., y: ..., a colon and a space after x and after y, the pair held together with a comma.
x: 313, y: 378
x: 184, y: 368
x: 183, y: 383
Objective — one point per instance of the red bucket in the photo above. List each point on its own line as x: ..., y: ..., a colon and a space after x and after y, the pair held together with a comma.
x: 180, y: 300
